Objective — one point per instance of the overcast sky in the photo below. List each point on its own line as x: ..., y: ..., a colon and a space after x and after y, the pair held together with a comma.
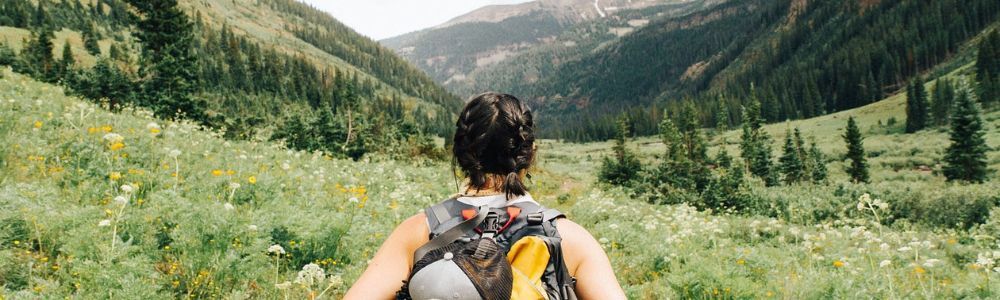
x: 380, y: 19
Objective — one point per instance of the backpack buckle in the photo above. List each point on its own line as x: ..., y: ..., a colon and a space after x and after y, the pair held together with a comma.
x: 492, y: 225
x: 535, y: 219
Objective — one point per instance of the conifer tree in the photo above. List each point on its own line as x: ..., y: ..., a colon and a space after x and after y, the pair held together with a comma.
x: 916, y: 106
x: 168, y: 61
x: 792, y: 161
x: 7, y: 55
x: 792, y: 166
x: 942, y: 101
x: 38, y: 59
x: 67, y: 62
x: 965, y: 159
x: 624, y: 166
x: 90, y: 40
x: 755, y: 147
x: 40, y: 18
x: 988, y: 69
x: 858, y: 168
x: 723, y: 159
x: 818, y: 172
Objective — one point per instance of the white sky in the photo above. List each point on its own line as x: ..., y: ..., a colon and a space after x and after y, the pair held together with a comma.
x: 380, y: 19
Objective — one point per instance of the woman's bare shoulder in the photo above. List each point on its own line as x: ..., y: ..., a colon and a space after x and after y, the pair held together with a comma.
x: 577, y: 243
x: 414, y: 229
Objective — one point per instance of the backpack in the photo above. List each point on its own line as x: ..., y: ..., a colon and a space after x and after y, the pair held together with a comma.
x: 494, y: 251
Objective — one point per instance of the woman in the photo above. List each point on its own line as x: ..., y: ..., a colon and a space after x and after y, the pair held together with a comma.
x: 494, y: 147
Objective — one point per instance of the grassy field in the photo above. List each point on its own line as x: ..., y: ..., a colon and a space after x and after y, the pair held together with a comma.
x: 120, y: 205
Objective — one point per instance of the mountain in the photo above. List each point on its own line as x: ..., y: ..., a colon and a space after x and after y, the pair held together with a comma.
x: 261, y: 63
x: 452, y: 53
x: 800, y: 58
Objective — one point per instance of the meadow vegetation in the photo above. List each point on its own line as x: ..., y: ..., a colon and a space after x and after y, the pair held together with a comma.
x: 110, y: 205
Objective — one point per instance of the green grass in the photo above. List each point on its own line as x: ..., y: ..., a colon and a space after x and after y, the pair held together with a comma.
x: 200, y: 225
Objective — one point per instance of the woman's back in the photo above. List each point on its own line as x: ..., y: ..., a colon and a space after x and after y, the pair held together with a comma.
x: 494, y: 226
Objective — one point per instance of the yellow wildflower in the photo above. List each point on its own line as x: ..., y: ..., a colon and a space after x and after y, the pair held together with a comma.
x: 230, y: 172
x: 252, y: 180
x: 116, y: 146
x: 107, y: 128
x: 38, y: 124
x: 216, y: 172
x: 838, y: 264
x: 115, y: 176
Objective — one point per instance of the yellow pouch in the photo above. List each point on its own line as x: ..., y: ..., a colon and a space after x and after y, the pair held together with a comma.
x: 528, y: 259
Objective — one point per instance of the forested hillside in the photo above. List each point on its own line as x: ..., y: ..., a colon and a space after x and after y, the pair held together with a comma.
x: 272, y: 69
x: 802, y: 58
x: 457, y: 52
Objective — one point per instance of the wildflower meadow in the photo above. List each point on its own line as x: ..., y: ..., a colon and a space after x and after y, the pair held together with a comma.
x: 109, y: 205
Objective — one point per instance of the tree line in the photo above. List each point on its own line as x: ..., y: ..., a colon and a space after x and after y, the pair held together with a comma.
x: 833, y: 56
x: 185, y: 68
x: 686, y: 174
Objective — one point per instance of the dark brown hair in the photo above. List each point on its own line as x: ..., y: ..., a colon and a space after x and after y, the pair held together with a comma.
x: 494, y: 139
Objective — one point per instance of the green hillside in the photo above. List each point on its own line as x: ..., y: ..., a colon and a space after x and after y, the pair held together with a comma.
x: 262, y: 65
x: 498, y: 46
x: 806, y: 58
x: 99, y: 204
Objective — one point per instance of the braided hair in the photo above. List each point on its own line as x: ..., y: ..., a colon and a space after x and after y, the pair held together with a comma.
x: 494, y: 140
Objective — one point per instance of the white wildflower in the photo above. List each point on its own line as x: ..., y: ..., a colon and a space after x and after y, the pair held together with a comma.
x: 884, y: 263
x: 229, y: 206
x: 354, y: 200
x: 604, y: 240
x: 336, y: 281
x: 930, y: 263
x: 905, y: 249
x: 276, y: 249
x: 113, y: 138
x: 613, y: 226
x: 252, y: 227
x: 127, y: 188
x: 283, y: 286
x: 174, y: 153
x: 310, y: 274
x: 104, y: 223
x: 883, y: 246
x: 234, y: 185
x: 121, y: 200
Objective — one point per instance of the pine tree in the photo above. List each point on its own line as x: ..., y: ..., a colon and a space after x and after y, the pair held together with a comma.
x: 723, y: 159
x: 624, y: 167
x: 38, y: 59
x: 965, y: 159
x: 858, y: 169
x: 67, y: 62
x: 791, y: 166
x: 755, y: 146
x: 90, y: 40
x: 40, y: 19
x: 916, y: 106
x: 818, y: 171
x: 988, y: 69
x: 7, y: 55
x: 168, y: 61
x: 942, y: 101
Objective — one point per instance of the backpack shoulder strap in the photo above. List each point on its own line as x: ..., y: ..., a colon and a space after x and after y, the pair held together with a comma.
x: 452, y: 234
x: 444, y: 215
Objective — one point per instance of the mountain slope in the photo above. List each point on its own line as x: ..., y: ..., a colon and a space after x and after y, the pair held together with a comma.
x: 261, y: 62
x: 806, y: 58
x: 477, y: 41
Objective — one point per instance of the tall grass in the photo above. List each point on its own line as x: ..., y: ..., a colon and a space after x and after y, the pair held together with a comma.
x: 102, y: 205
